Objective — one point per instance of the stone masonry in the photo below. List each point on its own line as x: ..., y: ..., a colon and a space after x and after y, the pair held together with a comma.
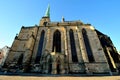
x: 64, y: 47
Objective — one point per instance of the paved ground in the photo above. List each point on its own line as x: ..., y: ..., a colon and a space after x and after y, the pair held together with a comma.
x: 3, y: 77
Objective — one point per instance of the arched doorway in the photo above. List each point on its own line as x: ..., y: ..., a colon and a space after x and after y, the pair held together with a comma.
x: 58, y: 67
x: 56, y: 41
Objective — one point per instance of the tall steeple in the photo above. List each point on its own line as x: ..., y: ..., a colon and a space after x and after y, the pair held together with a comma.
x: 47, y: 14
x: 46, y: 18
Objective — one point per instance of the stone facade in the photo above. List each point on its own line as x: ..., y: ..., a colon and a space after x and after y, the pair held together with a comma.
x: 59, y: 48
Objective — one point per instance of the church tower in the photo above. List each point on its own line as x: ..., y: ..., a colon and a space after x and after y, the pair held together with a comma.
x: 46, y: 18
x: 65, y: 47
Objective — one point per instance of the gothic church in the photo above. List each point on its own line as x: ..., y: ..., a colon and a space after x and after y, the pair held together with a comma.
x: 66, y: 47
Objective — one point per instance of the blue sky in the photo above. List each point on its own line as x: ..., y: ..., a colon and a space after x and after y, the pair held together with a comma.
x: 104, y: 15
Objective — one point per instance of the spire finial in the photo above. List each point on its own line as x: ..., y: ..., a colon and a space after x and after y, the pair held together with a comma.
x: 47, y: 14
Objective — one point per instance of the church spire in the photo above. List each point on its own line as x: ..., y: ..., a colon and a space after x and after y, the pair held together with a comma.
x: 47, y: 14
x: 46, y: 18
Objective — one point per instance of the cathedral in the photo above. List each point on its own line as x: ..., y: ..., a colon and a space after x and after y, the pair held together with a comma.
x: 65, y: 47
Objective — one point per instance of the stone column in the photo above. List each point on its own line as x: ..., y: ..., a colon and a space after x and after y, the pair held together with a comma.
x: 82, y: 45
x: 77, y: 44
x: 66, y: 57
x: 68, y: 46
x: 83, y: 49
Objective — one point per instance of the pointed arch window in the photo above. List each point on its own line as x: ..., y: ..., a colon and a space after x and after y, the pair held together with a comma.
x: 87, y: 45
x: 73, y: 47
x: 56, y: 41
x: 40, y: 47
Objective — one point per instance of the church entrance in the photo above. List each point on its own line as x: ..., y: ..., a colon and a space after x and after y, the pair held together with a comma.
x: 58, y: 67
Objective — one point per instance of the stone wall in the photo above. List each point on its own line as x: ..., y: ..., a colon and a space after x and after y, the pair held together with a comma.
x: 25, y: 48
